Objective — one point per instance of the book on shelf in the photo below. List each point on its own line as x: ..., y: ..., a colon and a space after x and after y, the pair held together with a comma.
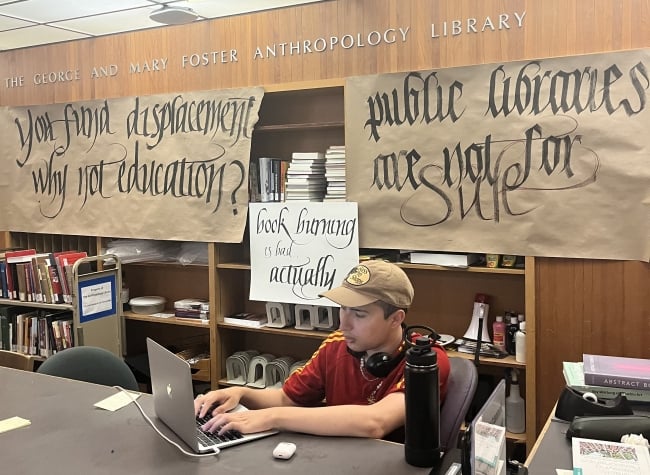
x: 254, y: 182
x: 4, y: 292
x: 271, y: 178
x: 575, y: 378
x: 12, y: 274
x: 244, y: 319
x: 445, y: 259
x: 308, y: 156
x: 617, y: 371
x: 65, y: 262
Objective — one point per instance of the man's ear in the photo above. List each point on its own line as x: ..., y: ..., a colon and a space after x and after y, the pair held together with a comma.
x: 397, y: 318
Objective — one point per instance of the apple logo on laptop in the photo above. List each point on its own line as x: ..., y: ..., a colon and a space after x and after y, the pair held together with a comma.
x: 169, y: 390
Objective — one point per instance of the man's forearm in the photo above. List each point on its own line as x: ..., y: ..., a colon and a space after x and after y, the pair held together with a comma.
x: 374, y: 421
x: 332, y: 420
x: 262, y: 398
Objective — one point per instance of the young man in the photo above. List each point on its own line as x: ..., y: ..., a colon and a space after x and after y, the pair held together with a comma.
x: 336, y: 392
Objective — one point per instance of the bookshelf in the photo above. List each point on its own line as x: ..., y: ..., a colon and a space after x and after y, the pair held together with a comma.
x: 312, y: 120
x: 89, y: 314
x: 306, y: 120
x: 173, y: 281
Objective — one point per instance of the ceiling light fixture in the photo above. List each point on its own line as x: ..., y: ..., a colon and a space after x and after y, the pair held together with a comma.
x: 171, y: 15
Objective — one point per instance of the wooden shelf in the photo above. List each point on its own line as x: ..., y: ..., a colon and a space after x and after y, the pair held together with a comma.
x: 406, y: 265
x: 234, y: 265
x: 517, y: 438
x: 299, y: 127
x: 507, y: 362
x: 166, y: 264
x: 186, y: 322
x: 484, y: 270
x: 288, y: 331
x: 21, y: 303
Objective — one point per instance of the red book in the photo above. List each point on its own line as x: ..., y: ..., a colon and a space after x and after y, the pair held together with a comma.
x: 12, y: 258
x: 617, y: 371
x: 57, y: 290
x: 65, y: 261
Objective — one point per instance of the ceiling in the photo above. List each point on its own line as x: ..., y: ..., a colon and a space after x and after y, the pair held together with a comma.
x: 25, y: 23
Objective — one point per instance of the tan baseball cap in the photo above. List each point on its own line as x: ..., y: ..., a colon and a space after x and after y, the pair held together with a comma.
x: 371, y: 281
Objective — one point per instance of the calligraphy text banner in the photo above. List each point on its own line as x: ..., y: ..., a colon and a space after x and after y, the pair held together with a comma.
x: 160, y: 167
x: 543, y: 158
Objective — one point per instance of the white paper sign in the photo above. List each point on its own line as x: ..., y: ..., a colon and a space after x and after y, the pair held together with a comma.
x: 96, y: 298
x: 301, y: 249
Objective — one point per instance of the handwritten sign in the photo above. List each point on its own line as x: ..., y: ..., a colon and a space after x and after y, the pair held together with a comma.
x: 545, y: 158
x: 300, y: 249
x: 161, y: 167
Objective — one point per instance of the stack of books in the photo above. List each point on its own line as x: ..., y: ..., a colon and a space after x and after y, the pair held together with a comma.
x: 625, y: 375
x: 335, y: 173
x: 192, y: 308
x: 246, y: 319
x: 306, y: 177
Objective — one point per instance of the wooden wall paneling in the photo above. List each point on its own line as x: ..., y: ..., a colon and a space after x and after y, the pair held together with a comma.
x: 5, y: 239
x: 530, y: 282
x: 551, y: 28
x: 214, y: 308
x: 587, y: 306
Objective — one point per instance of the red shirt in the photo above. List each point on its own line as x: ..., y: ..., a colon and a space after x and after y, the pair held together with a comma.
x: 333, y: 375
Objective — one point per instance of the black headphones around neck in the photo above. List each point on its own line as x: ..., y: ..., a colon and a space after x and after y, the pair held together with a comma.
x: 381, y: 364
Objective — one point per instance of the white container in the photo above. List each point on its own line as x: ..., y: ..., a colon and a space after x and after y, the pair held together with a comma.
x: 515, y: 408
x: 148, y: 304
x: 520, y: 343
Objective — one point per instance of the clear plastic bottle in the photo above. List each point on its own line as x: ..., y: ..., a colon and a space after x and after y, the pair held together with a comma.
x: 520, y: 343
x: 499, y: 333
x: 515, y: 408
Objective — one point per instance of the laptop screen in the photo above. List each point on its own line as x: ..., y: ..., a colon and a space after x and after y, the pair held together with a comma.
x: 488, y: 434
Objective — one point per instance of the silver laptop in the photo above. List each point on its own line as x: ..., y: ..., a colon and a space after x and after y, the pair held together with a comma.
x: 173, y: 397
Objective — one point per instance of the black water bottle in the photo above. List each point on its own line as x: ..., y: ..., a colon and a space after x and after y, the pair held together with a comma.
x: 422, y: 394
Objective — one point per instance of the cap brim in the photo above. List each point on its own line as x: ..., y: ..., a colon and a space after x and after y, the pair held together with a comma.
x: 348, y: 298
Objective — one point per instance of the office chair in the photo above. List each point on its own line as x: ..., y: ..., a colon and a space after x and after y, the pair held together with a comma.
x: 461, y: 386
x: 90, y: 364
x: 11, y: 359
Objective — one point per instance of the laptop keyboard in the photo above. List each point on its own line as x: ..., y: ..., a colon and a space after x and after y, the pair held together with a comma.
x: 208, y: 438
